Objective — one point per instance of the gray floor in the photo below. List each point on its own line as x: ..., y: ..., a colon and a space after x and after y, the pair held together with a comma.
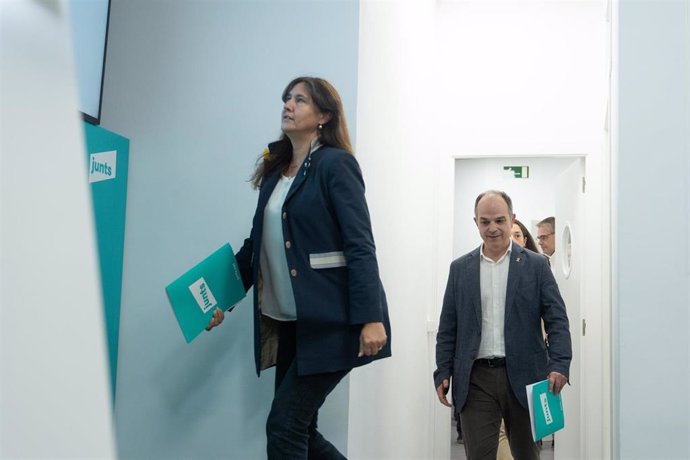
x: 457, y: 451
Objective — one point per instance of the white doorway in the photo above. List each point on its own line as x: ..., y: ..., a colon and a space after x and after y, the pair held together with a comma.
x: 539, y: 187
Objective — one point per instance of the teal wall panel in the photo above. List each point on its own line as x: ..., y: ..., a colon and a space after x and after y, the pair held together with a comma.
x: 108, y: 160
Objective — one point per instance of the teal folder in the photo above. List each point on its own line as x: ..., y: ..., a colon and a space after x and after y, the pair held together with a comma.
x: 215, y: 282
x: 545, y: 410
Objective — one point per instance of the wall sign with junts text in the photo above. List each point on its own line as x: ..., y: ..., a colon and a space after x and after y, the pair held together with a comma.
x: 108, y: 157
x: 103, y: 166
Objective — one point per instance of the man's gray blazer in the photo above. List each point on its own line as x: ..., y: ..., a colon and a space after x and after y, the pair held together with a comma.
x: 531, y: 295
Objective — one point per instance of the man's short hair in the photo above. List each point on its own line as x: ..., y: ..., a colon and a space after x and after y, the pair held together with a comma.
x: 550, y: 221
x: 501, y: 193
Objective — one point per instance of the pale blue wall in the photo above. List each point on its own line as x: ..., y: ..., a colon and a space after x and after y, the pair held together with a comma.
x: 653, y: 308
x: 195, y: 86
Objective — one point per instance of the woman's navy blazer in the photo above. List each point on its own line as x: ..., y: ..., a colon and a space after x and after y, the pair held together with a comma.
x: 332, y: 262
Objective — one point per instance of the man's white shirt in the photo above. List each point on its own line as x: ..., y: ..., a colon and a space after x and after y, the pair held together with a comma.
x: 493, y: 281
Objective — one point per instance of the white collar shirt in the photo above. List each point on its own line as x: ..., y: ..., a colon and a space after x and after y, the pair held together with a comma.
x: 552, y: 261
x: 493, y: 281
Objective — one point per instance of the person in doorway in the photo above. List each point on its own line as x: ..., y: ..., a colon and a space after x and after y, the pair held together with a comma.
x: 546, y: 230
x: 319, y: 305
x: 523, y: 237
x: 489, y: 341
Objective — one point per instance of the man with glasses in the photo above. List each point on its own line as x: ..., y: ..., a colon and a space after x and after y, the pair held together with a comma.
x: 546, y: 237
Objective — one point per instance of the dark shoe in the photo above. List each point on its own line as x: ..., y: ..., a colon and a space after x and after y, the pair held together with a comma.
x: 460, y: 440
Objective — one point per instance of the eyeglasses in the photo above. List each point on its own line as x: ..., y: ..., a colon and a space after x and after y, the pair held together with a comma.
x: 544, y: 237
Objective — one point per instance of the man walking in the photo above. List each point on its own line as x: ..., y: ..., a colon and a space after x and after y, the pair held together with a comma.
x: 490, y: 343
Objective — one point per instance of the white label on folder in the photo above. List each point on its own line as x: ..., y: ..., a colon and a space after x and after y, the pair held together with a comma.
x: 203, y: 295
x: 545, y: 407
x: 102, y: 166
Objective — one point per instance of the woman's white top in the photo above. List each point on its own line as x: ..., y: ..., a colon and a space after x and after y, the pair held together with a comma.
x: 277, y: 297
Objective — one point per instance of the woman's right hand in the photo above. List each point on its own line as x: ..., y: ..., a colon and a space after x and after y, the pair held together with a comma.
x: 217, y: 318
x: 372, y: 339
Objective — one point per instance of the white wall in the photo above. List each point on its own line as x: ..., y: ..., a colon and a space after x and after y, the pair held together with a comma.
x: 652, y: 197
x: 520, y: 76
x: 389, y: 401
x: 55, y: 396
x: 196, y: 86
x: 440, y: 80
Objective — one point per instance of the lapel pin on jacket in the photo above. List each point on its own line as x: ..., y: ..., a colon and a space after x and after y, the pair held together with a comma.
x: 315, y: 144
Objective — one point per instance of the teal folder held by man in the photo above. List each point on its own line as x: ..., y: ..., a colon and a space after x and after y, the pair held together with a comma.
x: 545, y: 410
x: 215, y: 282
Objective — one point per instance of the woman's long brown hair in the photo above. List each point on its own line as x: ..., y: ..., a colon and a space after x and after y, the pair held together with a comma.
x: 334, y: 133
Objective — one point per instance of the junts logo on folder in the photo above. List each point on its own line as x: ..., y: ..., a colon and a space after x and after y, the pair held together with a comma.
x: 203, y: 295
x: 545, y: 408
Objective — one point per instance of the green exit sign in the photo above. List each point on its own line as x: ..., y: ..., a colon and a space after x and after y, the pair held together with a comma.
x: 520, y: 172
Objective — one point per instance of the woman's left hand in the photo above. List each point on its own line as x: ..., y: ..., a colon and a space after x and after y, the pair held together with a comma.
x: 372, y: 339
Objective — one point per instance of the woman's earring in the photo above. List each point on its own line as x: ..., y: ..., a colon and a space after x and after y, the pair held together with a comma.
x: 320, y: 126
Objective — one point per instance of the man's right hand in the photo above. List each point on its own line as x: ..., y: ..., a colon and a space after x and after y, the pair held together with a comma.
x: 442, y: 391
